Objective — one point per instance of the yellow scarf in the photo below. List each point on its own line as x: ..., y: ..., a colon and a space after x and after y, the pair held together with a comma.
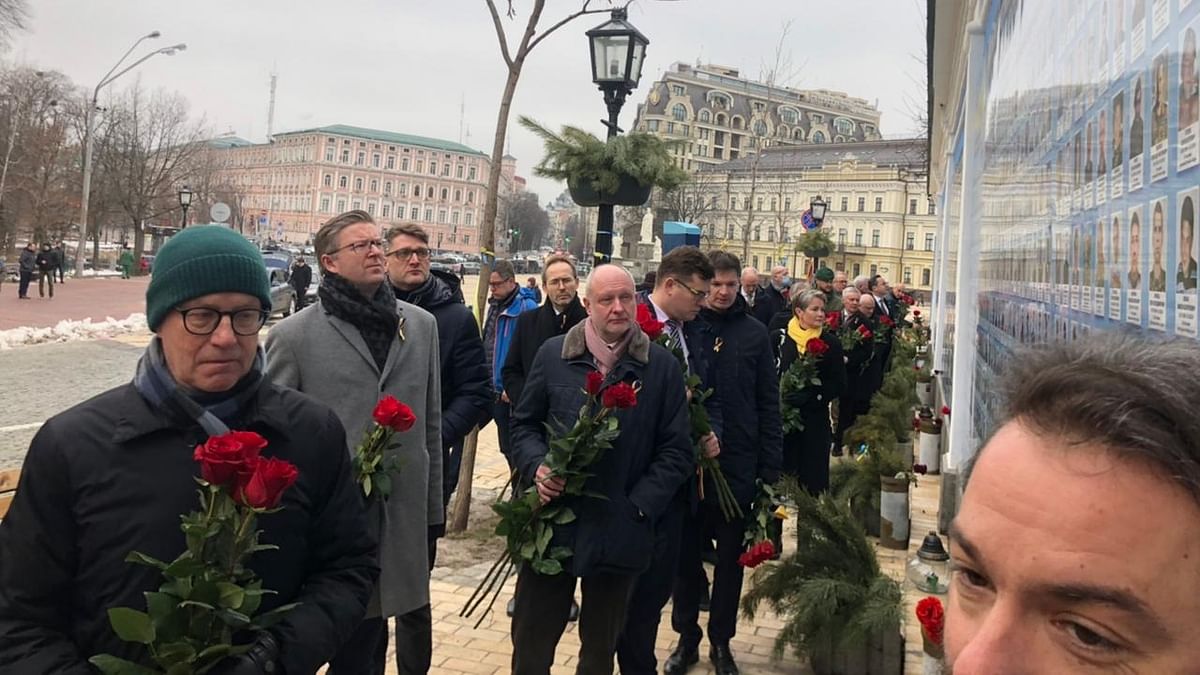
x: 801, y: 336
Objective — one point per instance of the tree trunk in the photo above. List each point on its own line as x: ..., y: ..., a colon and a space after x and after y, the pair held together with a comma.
x: 460, y: 508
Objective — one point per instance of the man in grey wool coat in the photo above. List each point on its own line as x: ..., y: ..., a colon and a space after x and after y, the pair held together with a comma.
x: 357, y: 345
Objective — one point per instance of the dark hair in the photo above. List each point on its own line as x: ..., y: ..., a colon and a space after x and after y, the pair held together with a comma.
x: 505, y: 269
x: 325, y: 240
x: 650, y: 278
x: 683, y: 263
x: 724, y: 261
x: 407, y: 229
x: 1130, y: 394
x: 554, y: 260
x: 874, y: 282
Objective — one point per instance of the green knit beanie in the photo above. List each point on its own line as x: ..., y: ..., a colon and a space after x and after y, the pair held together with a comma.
x: 200, y: 260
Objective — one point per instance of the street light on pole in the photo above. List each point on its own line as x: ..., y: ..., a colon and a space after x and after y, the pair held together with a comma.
x: 88, y: 143
x: 618, y: 51
x: 185, y: 201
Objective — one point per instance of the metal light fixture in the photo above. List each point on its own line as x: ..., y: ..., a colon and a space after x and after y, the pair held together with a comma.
x: 930, y: 569
x: 818, y: 207
x: 185, y: 201
x: 618, y: 51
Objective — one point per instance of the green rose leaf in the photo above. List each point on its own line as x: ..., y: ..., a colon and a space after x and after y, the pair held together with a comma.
x: 131, y: 625
x: 111, y: 665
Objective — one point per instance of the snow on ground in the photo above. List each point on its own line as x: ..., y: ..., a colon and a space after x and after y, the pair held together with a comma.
x: 67, y: 331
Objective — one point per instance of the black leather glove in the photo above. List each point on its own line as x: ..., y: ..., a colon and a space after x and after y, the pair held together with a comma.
x: 262, y: 659
x: 798, y: 398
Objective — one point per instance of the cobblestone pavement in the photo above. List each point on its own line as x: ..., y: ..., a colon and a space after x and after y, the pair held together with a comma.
x: 77, y: 299
x: 42, y: 380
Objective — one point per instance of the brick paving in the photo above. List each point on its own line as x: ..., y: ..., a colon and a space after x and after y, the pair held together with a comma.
x: 96, y: 298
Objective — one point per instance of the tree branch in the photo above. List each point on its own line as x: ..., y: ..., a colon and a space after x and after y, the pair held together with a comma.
x: 584, y: 10
x: 500, y: 31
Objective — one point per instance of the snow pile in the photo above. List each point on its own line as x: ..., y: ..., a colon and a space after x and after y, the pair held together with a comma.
x: 101, y: 273
x: 67, y: 331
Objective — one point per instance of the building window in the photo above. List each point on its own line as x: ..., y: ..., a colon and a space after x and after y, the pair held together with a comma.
x: 841, y: 237
x: 844, y: 207
x: 345, y: 156
x: 458, y: 171
x: 857, y: 269
x: 374, y: 185
x: 908, y: 275
x: 328, y: 154
x: 652, y: 125
x: 677, y: 89
x: 387, y: 187
x: 454, y: 217
x: 324, y: 204
x: 404, y: 164
x: 458, y: 195
x: 874, y: 270
x: 360, y: 159
x: 670, y: 127
x: 875, y: 238
x: 356, y: 204
x: 429, y: 215
x: 445, y: 194
x: 470, y: 196
x: 925, y: 277
x: 471, y: 173
x: 755, y: 261
x: 328, y: 180
x: 774, y: 204
x: 789, y: 116
x: 758, y: 203
x: 858, y: 238
x: 343, y: 181
x: 679, y: 112
x: 760, y: 128
x: 420, y: 166
x: 466, y: 239
x: 912, y: 207
x: 758, y: 233
x: 414, y: 213
x: 387, y: 210
x: 787, y: 204
x: 929, y: 242
x: 371, y: 208
x: 433, y: 168
x: 391, y: 162
x: 446, y: 170
x: 441, y: 215
x: 341, y: 206
x: 932, y: 208
x: 732, y: 203
x: 843, y: 126
x: 818, y: 137
x: 704, y: 116
x: 909, y: 241
x: 375, y: 159
x: 878, y: 204
x: 770, y: 234
x: 452, y: 237
x: 862, y: 203
x: 358, y: 184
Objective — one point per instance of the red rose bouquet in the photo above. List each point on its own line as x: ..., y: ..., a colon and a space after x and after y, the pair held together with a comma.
x: 528, y: 525
x: 801, y: 375
x: 932, y: 617
x: 697, y: 413
x: 759, y: 547
x: 372, y: 465
x: 209, y: 592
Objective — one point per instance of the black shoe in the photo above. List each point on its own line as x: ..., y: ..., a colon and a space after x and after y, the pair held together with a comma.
x: 705, y: 598
x: 722, y: 660
x: 681, y: 659
x: 511, y: 607
x: 573, y: 615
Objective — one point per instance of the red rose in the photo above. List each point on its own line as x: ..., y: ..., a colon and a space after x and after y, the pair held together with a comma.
x: 393, y: 414
x: 222, y: 458
x: 594, y: 382
x: 620, y: 395
x: 864, y: 331
x: 932, y: 617
x: 264, y: 487
x: 816, y: 347
x: 887, y: 321
x: 908, y: 300
x: 946, y: 410
x: 834, y: 320
x: 916, y: 312
x: 649, y: 324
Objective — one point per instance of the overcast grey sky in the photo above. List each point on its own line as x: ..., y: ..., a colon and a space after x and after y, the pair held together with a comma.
x: 406, y: 66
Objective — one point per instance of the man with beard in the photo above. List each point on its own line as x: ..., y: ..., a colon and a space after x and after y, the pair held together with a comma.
x: 682, y: 285
x: 361, y: 345
x: 743, y: 374
x: 466, y: 390
x: 824, y: 282
x: 115, y: 473
x: 612, y: 539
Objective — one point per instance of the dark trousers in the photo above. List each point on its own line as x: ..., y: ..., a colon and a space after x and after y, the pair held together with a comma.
x: 60, y: 274
x: 541, y: 606
x: 366, y: 651
x: 23, y: 285
x: 635, y: 650
x: 727, y: 578
x: 847, y: 416
x: 301, y: 297
x: 45, y: 277
x: 502, y: 413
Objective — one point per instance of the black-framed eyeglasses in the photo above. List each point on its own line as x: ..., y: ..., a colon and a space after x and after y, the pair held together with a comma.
x: 406, y: 254
x: 204, y: 320
x: 699, y: 295
x: 359, y: 247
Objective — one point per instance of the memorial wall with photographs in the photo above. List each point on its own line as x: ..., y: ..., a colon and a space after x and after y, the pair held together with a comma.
x: 1091, y: 175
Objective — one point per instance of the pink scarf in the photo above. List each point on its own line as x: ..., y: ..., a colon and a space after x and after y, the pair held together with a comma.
x: 606, y: 358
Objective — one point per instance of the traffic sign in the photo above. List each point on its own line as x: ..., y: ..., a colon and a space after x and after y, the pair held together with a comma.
x: 219, y: 212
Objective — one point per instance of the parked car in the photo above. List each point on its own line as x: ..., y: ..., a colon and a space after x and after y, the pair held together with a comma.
x: 448, y: 263
x: 470, y: 267
x: 311, y: 296
x: 283, y: 296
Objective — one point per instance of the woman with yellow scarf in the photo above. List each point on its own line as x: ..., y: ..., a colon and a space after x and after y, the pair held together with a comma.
x: 806, y: 452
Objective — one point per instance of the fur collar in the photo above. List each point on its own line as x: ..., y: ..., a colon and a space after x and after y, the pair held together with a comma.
x: 575, y: 344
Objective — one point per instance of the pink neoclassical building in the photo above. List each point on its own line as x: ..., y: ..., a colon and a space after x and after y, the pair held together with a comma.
x: 290, y: 186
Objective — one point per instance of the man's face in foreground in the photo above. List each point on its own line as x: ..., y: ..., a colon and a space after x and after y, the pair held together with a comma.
x: 1058, y: 571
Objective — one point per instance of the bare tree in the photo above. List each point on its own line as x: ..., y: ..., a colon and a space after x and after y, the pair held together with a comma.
x: 514, y: 61
x: 154, y: 141
x: 14, y: 17
x: 692, y: 201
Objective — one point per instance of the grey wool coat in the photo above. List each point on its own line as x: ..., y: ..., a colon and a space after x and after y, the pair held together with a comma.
x: 325, y: 357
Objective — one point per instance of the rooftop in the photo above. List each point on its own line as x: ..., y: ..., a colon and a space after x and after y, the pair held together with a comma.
x: 904, y: 152
x: 229, y: 141
x: 390, y: 137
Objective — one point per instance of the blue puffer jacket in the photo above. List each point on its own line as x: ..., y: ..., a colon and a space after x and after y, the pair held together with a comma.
x: 498, y: 330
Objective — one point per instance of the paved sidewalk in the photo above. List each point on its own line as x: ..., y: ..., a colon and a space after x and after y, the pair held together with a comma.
x: 96, y: 298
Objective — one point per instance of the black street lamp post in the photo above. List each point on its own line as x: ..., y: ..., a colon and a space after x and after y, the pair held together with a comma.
x: 618, y: 51
x: 816, y: 209
x: 185, y: 201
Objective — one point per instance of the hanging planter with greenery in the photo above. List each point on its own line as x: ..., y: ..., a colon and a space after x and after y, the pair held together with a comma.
x: 815, y: 244
x: 621, y: 171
